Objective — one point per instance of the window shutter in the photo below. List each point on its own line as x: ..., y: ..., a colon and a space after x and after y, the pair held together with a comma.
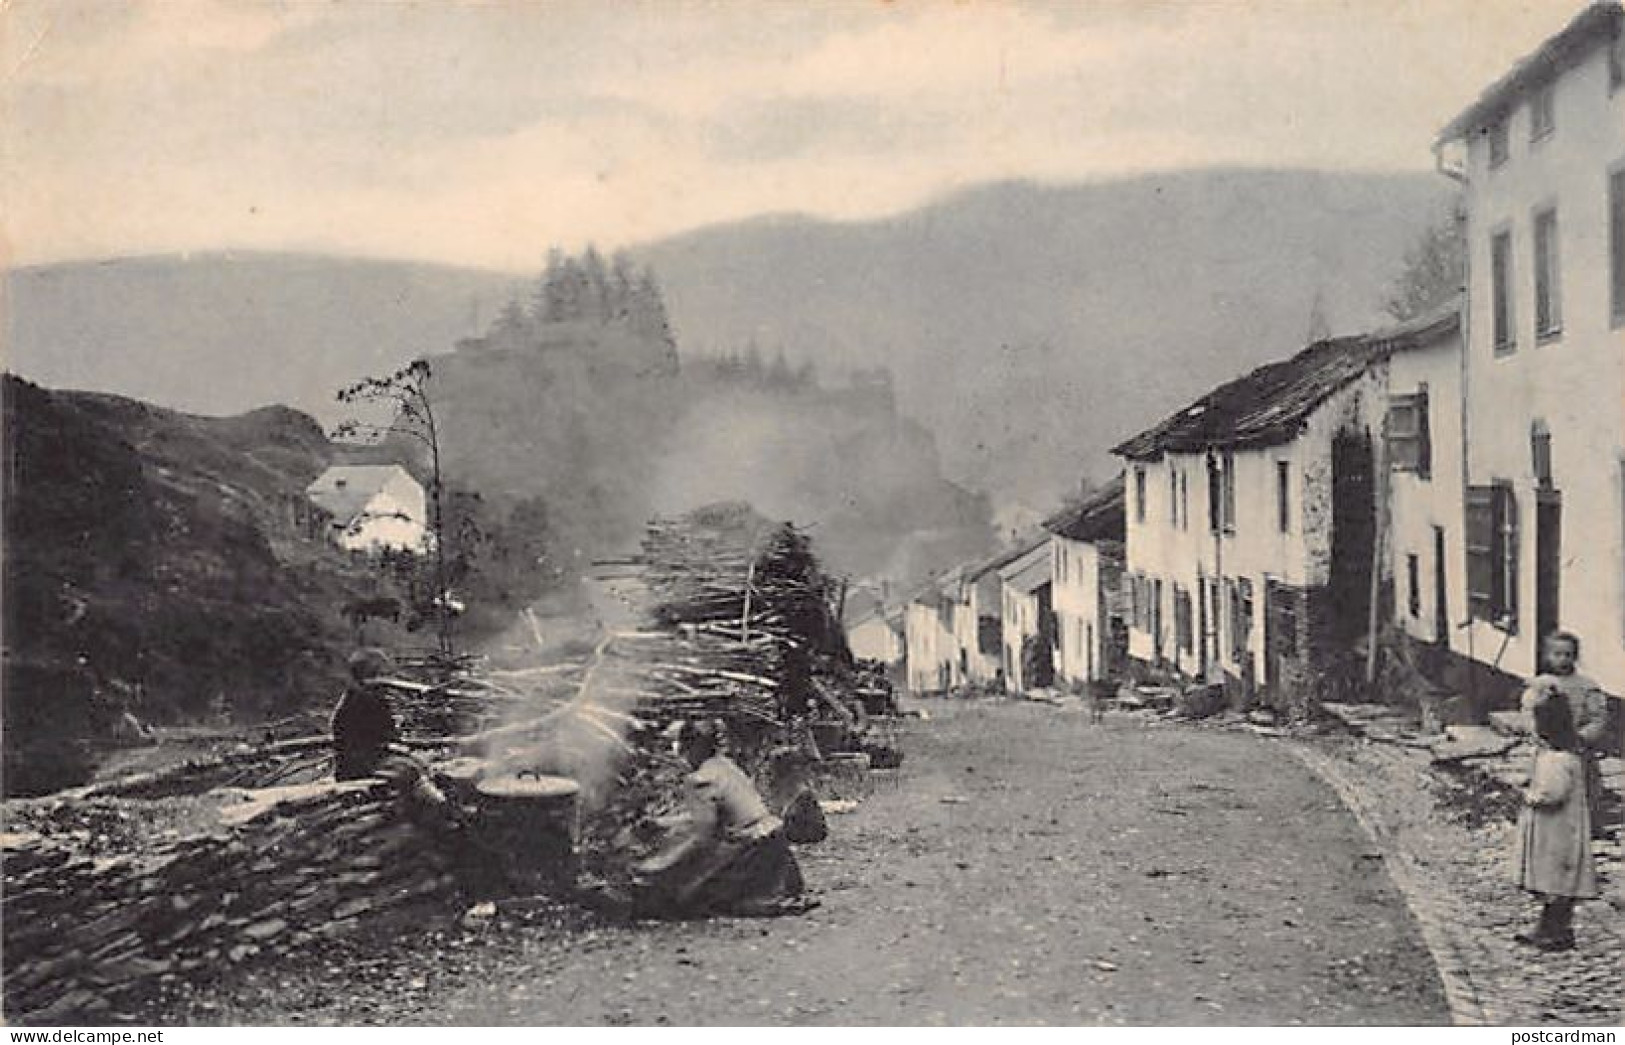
x: 1406, y: 426
x: 1424, y: 438
x: 1507, y: 530
x: 1481, y: 552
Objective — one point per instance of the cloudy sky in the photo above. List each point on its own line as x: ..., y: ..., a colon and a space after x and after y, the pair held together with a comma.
x: 482, y: 133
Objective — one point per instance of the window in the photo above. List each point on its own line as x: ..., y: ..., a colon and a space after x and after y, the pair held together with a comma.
x: 1542, y: 112
x: 1139, y: 495
x: 1413, y: 585
x: 1173, y: 498
x: 1498, y: 136
x: 1221, y: 488
x: 1548, y: 295
x: 1492, y: 554
x: 1184, y: 502
x: 1616, y: 241
x: 1501, y: 290
x: 1283, y: 496
x: 1182, y: 619
x: 1540, y: 453
x: 1410, y: 446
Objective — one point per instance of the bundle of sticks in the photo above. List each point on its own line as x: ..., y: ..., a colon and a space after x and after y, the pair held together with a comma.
x: 737, y: 612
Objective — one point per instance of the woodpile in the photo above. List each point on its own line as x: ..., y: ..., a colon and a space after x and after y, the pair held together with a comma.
x: 740, y: 618
x: 176, y: 875
x: 83, y: 934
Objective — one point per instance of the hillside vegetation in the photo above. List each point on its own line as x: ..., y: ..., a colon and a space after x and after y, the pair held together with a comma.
x: 156, y: 565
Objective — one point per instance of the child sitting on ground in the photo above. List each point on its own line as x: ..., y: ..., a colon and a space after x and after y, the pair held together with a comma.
x: 1554, y: 829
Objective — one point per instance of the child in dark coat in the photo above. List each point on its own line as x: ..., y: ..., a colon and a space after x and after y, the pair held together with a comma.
x: 1554, y: 830
x: 363, y: 725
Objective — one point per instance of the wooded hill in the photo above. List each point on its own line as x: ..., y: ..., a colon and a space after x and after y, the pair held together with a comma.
x: 156, y: 564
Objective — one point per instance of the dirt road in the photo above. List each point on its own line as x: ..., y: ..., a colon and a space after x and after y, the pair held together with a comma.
x: 1026, y: 868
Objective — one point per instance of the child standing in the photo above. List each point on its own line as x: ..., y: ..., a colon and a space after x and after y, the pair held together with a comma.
x: 1554, y: 830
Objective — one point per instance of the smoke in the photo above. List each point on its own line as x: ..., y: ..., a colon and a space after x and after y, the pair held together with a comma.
x: 838, y: 463
x: 572, y: 715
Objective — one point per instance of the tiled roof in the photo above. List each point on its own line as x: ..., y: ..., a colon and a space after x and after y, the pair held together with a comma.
x: 1599, y: 22
x: 1098, y: 518
x: 1269, y: 406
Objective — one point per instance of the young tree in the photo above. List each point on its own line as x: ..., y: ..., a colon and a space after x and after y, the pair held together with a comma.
x: 595, y: 280
x: 406, y: 393
x: 512, y: 326
x: 1435, y: 268
x: 546, y: 303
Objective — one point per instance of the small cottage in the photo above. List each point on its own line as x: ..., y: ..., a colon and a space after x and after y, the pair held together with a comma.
x: 372, y: 507
x: 1029, y: 620
x: 1087, y: 543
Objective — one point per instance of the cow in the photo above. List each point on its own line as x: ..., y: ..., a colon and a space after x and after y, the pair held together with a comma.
x: 383, y: 607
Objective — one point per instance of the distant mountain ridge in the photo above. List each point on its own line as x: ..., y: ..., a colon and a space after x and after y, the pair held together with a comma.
x: 1030, y: 327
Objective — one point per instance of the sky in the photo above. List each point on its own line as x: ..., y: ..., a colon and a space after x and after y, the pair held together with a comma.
x: 482, y: 133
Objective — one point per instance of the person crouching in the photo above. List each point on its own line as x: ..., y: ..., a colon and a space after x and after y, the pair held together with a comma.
x: 732, y: 857
x: 1554, y: 828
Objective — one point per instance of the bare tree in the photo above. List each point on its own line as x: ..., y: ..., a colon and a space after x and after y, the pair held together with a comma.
x: 1435, y: 268
x: 406, y: 393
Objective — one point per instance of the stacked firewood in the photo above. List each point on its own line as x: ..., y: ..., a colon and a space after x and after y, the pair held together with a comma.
x: 739, y: 617
x: 88, y: 935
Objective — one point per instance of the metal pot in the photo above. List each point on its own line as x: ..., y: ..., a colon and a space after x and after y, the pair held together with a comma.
x: 532, y: 821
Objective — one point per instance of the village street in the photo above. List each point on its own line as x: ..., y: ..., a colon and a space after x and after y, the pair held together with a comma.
x: 1026, y: 867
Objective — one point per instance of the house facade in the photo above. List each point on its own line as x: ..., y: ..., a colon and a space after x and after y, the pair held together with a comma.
x: 931, y: 653
x: 1542, y: 156
x: 371, y: 508
x: 1421, y: 522
x: 1087, y: 548
x: 1251, y: 518
x: 1027, y: 613
x: 878, y: 636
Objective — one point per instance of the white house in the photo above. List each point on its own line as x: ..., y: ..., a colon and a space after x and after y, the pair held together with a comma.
x: 1027, y: 615
x: 1421, y: 517
x: 931, y: 653
x: 373, y: 507
x: 1087, y: 544
x: 1542, y: 156
x: 1251, y: 517
x: 877, y: 636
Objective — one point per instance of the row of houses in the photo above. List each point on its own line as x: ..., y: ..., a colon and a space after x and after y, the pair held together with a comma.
x: 1455, y: 484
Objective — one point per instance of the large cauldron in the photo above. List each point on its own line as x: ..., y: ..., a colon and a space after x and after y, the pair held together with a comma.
x: 531, y: 819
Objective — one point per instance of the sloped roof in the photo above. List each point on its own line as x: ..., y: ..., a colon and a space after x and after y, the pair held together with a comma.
x: 1598, y: 23
x: 1099, y: 517
x: 1269, y: 406
x: 1004, y: 558
x: 344, y: 490
x: 1031, y: 571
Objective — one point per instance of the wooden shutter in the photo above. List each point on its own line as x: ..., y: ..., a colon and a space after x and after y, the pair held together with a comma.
x: 1406, y: 426
x: 1482, y: 558
x: 1492, y: 552
x: 1506, y: 522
